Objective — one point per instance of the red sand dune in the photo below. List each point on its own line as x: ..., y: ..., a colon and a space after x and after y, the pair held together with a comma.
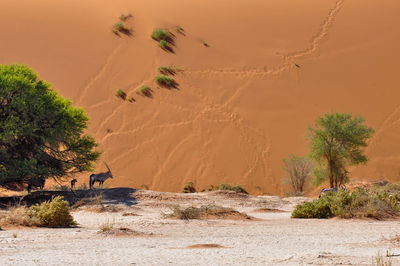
x: 242, y: 104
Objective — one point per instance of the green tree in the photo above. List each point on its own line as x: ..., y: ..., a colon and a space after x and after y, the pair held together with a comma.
x: 41, y: 133
x: 337, y: 142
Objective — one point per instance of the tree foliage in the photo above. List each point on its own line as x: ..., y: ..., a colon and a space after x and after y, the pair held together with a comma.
x: 41, y: 133
x: 337, y: 141
x: 298, y: 170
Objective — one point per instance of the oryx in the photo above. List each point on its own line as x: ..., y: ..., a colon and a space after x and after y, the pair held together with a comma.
x: 73, y: 181
x: 100, y: 177
x: 333, y: 189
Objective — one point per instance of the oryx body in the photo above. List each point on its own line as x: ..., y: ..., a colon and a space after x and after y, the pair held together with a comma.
x: 100, y: 177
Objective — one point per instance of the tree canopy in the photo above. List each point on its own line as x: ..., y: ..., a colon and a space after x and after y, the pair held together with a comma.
x: 41, y: 133
x: 337, y: 141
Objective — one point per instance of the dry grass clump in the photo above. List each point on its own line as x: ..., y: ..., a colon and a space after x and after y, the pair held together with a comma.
x: 95, y: 204
x: 207, y: 212
x: 380, y: 260
x: 121, y: 94
x: 109, y: 229
x: 159, y: 34
x: 54, y: 213
x: 18, y: 216
x: 377, y: 202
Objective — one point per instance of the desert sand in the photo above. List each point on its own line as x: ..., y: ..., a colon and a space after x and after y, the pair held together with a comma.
x: 242, y: 104
x: 271, y: 239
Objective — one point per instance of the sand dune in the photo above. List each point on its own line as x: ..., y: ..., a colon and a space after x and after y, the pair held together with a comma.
x: 242, y: 104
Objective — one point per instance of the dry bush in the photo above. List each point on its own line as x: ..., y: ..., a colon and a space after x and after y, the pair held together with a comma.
x: 189, y: 188
x: 298, y: 170
x: 380, y: 260
x: 238, y: 188
x: 207, y: 212
x: 54, y: 213
x: 106, y: 227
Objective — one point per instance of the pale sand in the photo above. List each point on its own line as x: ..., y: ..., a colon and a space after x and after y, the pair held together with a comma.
x: 242, y: 104
x: 275, y: 239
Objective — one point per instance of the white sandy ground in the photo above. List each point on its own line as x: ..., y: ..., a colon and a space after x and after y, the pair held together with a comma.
x: 275, y: 239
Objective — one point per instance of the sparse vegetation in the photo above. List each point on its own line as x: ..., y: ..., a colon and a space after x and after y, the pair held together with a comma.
x: 238, y: 188
x: 145, y: 91
x: 167, y: 70
x: 15, y: 235
x: 298, y: 170
x: 189, y: 188
x: 121, y: 94
x: 161, y: 34
x: 204, y: 43
x: 165, y: 81
x: 54, y: 213
x: 377, y: 202
x: 18, y: 215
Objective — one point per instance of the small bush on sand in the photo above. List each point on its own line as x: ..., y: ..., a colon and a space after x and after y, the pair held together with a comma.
x: 165, y: 81
x: 238, y: 189
x: 106, y: 227
x: 189, y: 188
x: 179, y: 29
x: 380, y: 260
x: 166, y: 70
x: 377, y: 202
x: 161, y: 34
x: 205, y: 43
x: 121, y: 94
x: 54, y: 213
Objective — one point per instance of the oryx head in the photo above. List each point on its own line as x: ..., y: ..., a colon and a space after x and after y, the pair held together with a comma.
x: 109, y: 171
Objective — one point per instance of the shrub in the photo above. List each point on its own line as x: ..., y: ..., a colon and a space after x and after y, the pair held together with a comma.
x: 179, y: 29
x: 164, y: 45
x: 186, y: 213
x: 106, y: 227
x: 165, y: 81
x: 373, y: 203
x: 204, y: 43
x: 54, y: 213
x: 161, y: 34
x: 166, y: 70
x: 189, y: 188
x: 207, y: 212
x: 121, y: 94
x: 298, y: 170
x: 238, y: 189
x: 120, y: 26
x: 125, y: 17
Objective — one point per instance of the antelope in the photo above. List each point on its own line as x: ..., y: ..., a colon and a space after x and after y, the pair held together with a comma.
x: 333, y: 189
x: 38, y: 182
x: 100, y: 177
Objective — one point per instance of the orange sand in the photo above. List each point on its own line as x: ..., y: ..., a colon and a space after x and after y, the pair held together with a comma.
x: 242, y: 105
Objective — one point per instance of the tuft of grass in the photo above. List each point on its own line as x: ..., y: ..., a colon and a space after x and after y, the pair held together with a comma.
x: 161, y: 34
x: 120, y: 27
x: 106, y: 227
x: 179, y: 29
x: 377, y: 202
x: 15, y: 235
x: 379, y: 260
x: 189, y: 188
x: 167, y: 70
x: 145, y: 91
x: 121, y: 94
x: 165, y: 81
x: 238, y: 188
x: 125, y: 17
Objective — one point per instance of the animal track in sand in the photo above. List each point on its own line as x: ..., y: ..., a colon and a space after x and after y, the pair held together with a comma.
x: 289, y: 58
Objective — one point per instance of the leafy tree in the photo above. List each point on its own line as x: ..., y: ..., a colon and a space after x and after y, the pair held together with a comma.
x: 337, y: 141
x: 298, y: 170
x: 41, y: 133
